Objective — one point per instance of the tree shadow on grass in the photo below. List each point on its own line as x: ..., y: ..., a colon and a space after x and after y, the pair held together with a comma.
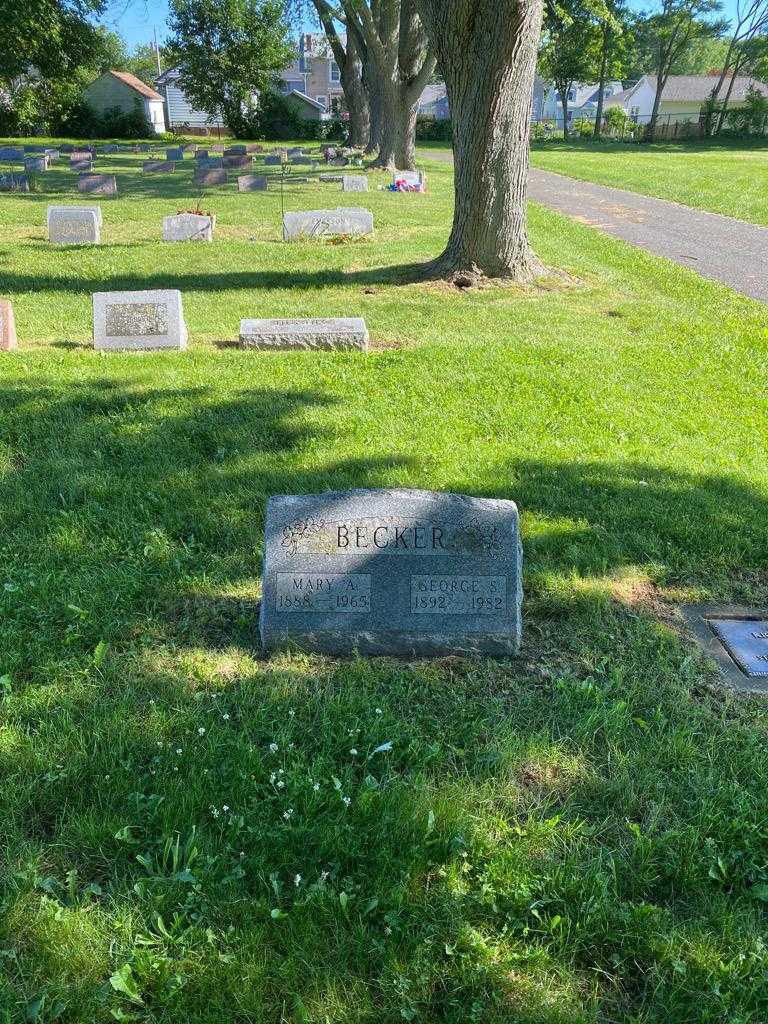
x: 484, y: 866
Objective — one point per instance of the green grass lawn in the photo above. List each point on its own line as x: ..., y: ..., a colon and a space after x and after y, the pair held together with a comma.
x: 729, y: 178
x: 579, y: 835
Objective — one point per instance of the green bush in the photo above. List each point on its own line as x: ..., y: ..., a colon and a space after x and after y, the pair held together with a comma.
x: 752, y: 118
x: 582, y: 127
x: 83, y: 122
x: 276, y: 119
x: 434, y: 129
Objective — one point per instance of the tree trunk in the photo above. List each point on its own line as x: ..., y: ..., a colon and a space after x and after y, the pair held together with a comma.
x: 486, y: 53
x: 650, y: 131
x: 598, y: 129
x: 357, y: 103
x: 397, y: 147
x: 373, y: 89
x: 564, y: 97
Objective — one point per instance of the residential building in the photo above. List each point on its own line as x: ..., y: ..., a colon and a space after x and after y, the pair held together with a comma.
x: 434, y: 102
x: 119, y: 90
x: 582, y: 101
x: 180, y: 112
x: 683, y: 97
x: 314, y: 73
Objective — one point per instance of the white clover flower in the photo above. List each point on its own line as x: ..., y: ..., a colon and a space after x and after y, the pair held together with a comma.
x: 273, y: 748
x: 291, y: 712
x: 272, y: 778
x: 214, y: 812
x: 288, y: 814
x: 346, y: 800
x: 353, y: 751
x: 225, y: 807
x: 281, y: 784
x: 316, y: 786
x: 225, y: 716
x: 152, y: 703
x: 297, y: 881
x: 201, y: 731
x: 179, y: 750
x: 175, y: 767
x: 379, y: 711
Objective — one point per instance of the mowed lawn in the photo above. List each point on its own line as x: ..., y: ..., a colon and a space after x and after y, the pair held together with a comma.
x: 191, y: 833
x: 723, y: 177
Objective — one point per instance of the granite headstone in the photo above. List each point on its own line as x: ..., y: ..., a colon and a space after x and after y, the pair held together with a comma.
x: 7, y: 327
x: 205, y: 176
x: 251, y: 183
x: 188, y: 227
x: 74, y: 225
x: 139, y: 320
x: 344, y: 220
x: 395, y: 572
x: 354, y: 183
x: 97, y: 184
x: 305, y: 333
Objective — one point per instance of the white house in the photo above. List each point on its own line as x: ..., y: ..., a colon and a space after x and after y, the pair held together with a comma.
x: 120, y: 90
x: 682, y: 98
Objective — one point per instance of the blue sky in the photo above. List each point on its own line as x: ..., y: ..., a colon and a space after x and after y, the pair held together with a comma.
x: 135, y: 19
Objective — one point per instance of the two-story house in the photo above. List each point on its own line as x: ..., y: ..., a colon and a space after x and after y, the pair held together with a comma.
x: 314, y: 73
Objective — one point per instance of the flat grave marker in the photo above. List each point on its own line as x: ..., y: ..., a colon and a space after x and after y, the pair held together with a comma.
x: 344, y: 220
x: 137, y: 321
x: 8, y: 342
x: 392, y: 572
x: 97, y: 184
x: 158, y: 167
x: 305, y: 333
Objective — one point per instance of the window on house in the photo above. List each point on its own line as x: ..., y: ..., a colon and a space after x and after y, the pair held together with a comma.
x: 571, y: 95
x: 335, y: 72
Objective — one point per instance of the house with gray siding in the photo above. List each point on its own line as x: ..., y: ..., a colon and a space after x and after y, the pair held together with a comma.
x: 179, y: 110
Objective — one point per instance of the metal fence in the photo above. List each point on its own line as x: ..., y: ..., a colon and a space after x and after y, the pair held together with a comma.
x: 668, y: 126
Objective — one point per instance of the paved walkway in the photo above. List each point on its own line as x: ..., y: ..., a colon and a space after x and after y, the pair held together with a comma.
x: 721, y: 248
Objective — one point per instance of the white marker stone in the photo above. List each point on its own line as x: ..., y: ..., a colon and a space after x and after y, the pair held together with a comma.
x: 310, y: 333
x: 345, y: 220
x: 354, y: 183
x: 187, y: 227
x: 139, y: 320
x: 74, y: 225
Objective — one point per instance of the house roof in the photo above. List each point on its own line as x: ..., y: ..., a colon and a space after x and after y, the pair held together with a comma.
x: 307, y: 99
x: 136, y: 83
x: 693, y: 88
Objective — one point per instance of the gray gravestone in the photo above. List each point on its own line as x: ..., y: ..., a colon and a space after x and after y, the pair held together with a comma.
x: 97, y: 184
x: 81, y: 165
x: 66, y: 147
x: 204, y: 176
x: 302, y: 160
x: 211, y: 163
x: 354, y: 183
x: 240, y: 162
x: 398, y: 572
x: 175, y: 153
x: 218, y: 148
x: 251, y: 183
x: 331, y: 178
x: 74, y: 225
x: 36, y: 164
x: 305, y: 333
x: 187, y: 227
x: 158, y: 167
x: 53, y: 155
x: 236, y: 151
x: 272, y: 160
x: 201, y: 154
x: 138, y: 320
x: 295, y: 151
x: 110, y: 148
x: 11, y: 154
x: 327, y: 223
x: 413, y: 178
x: 53, y: 210
x: 14, y: 183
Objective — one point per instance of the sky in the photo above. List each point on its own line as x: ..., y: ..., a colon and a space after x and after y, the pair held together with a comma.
x: 136, y: 19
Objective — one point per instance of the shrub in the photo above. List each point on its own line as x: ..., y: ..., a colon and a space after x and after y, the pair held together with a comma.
x: 277, y: 119
x: 434, y: 129
x: 617, y: 120
x: 752, y: 118
x: 83, y: 122
x: 582, y: 127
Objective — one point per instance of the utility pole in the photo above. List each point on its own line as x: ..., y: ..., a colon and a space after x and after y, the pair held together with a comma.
x: 157, y: 54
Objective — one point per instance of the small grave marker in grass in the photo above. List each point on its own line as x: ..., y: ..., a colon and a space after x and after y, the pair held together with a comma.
x: 305, y: 333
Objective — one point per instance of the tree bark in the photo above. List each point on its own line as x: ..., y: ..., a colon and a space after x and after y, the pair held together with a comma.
x: 598, y: 129
x: 562, y: 88
x: 350, y: 74
x: 486, y: 51
x: 397, y: 145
